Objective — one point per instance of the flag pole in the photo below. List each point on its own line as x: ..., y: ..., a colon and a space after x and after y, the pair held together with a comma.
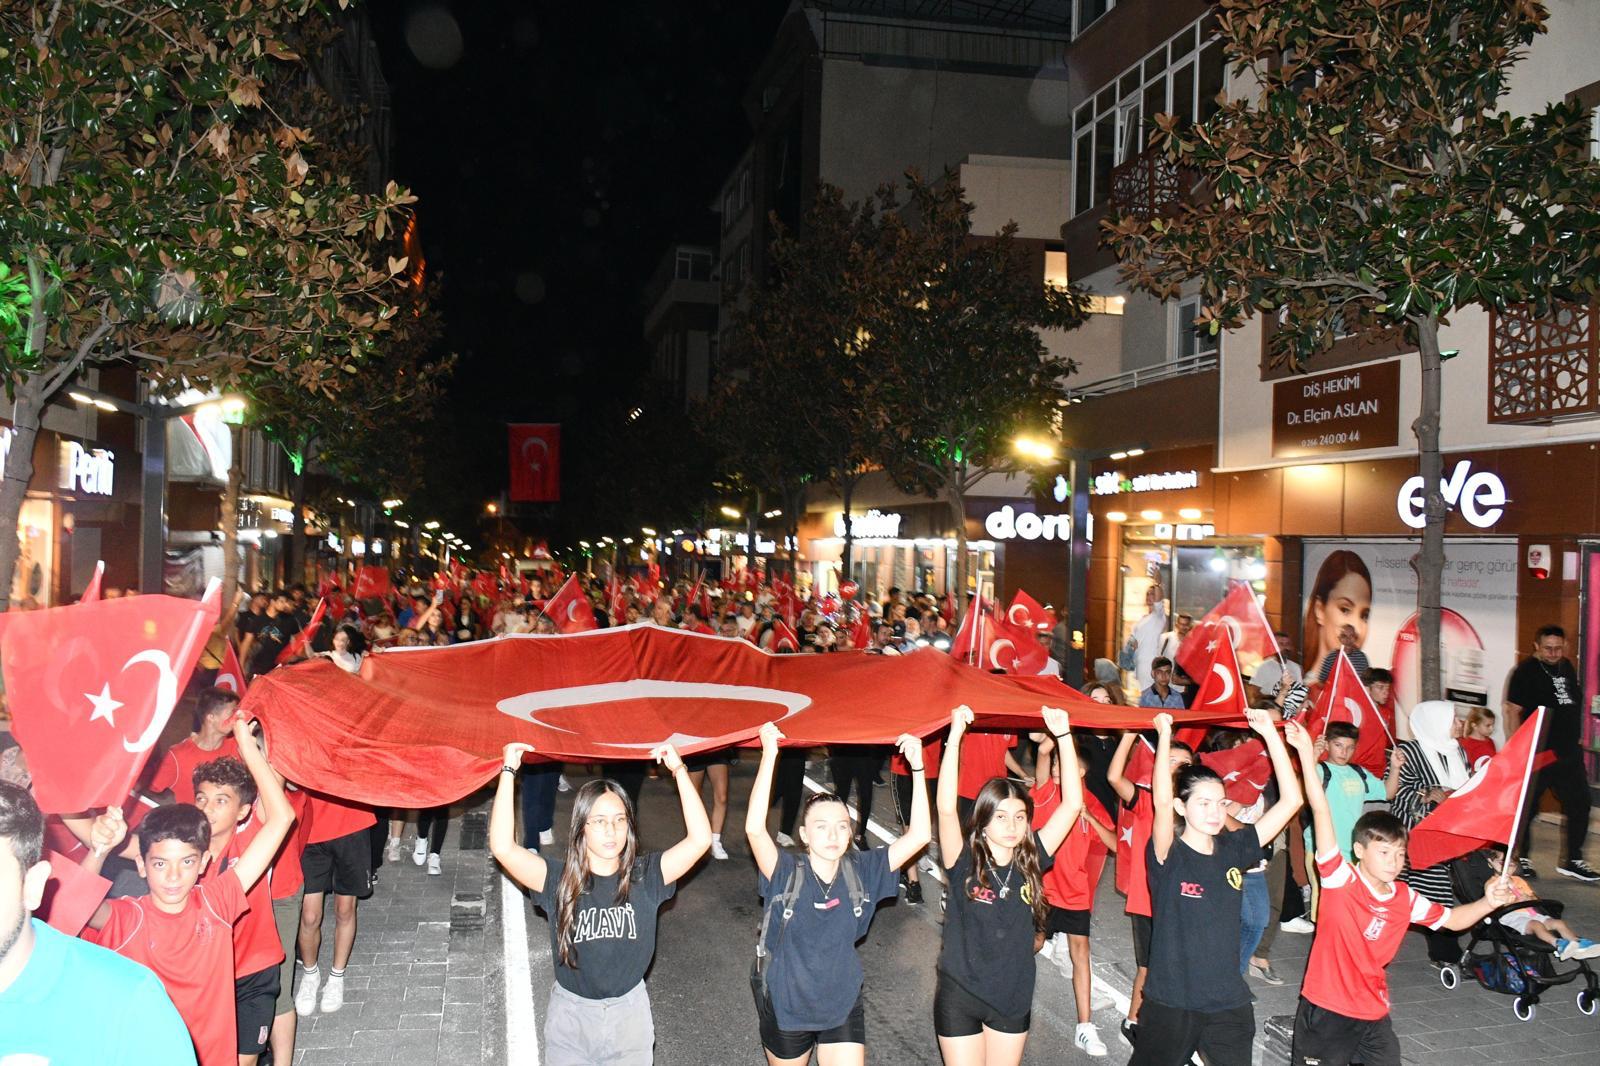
x: 1267, y: 624
x: 1522, y: 798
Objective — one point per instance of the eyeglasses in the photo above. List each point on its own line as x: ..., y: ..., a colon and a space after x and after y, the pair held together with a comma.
x: 618, y: 822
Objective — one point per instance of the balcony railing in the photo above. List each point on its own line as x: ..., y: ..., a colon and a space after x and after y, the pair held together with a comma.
x: 1544, y: 370
x: 1148, y: 186
x: 1145, y: 375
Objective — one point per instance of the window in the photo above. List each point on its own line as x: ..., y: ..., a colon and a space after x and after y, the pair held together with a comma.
x: 693, y: 264
x: 1055, y: 269
x: 1086, y: 13
x: 1189, y: 341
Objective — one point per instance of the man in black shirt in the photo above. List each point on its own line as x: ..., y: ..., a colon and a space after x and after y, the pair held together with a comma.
x: 273, y: 634
x: 1547, y: 679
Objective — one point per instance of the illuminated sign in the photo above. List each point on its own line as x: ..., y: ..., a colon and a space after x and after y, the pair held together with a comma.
x: 1007, y: 524
x: 1184, y: 531
x: 1114, y: 481
x: 1481, y: 497
x: 874, y: 525
x: 282, y: 514
x: 86, y: 470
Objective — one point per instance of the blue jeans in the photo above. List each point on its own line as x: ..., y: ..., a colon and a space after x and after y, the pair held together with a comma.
x: 1254, y: 917
x: 538, y: 798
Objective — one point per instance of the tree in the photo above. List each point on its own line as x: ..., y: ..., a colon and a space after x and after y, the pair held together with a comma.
x: 1374, y: 183
x: 164, y: 213
x: 957, y: 348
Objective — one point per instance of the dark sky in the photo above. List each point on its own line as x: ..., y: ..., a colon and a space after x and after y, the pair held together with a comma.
x: 558, y: 149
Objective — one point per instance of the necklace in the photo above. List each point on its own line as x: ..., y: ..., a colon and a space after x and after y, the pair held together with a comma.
x: 1005, y: 887
x: 828, y: 902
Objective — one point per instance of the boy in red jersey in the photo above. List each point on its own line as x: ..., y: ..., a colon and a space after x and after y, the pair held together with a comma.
x: 212, y: 740
x: 338, y: 859
x: 1364, y: 914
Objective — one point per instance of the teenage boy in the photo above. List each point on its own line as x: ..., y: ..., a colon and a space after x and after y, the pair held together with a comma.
x: 175, y: 929
x: 1344, y: 1003
x: 337, y: 859
x: 1348, y: 788
x: 48, y: 980
x: 212, y: 739
x: 225, y: 793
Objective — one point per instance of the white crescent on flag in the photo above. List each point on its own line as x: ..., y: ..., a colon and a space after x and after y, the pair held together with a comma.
x: 1019, y: 616
x: 166, y: 698
x: 1355, y: 710
x: 536, y: 465
x: 994, y: 655
x: 1226, y: 676
x: 529, y: 705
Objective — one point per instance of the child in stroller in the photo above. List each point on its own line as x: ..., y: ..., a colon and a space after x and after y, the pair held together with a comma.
x: 1512, y: 948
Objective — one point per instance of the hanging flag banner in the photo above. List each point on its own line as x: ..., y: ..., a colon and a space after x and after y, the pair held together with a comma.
x: 535, y: 462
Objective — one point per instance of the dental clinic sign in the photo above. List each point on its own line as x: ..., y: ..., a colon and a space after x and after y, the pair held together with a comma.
x: 88, y: 470
x: 1479, y: 497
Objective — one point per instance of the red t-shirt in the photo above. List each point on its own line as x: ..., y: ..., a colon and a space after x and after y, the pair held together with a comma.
x: 1358, y: 934
x: 286, y: 876
x: 983, y: 756
x: 1134, y: 825
x: 1477, y: 748
x: 256, y: 946
x: 332, y: 818
x: 932, y: 752
x: 192, y: 953
x: 178, y: 765
x: 1079, y: 861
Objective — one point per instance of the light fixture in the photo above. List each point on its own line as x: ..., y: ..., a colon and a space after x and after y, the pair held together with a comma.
x: 1118, y: 456
x: 430, y: 525
x: 1134, y: 453
x: 80, y: 397
x: 1116, y: 516
x: 1034, y: 449
x: 402, y: 525
x: 390, y: 505
x: 774, y: 513
x: 105, y: 405
x: 491, y: 507
x: 1217, y: 563
x: 583, y: 544
x: 730, y: 512
x: 1189, y: 514
x: 627, y: 540
x: 677, y: 532
x: 647, y: 531
x: 505, y: 555
x: 1150, y: 516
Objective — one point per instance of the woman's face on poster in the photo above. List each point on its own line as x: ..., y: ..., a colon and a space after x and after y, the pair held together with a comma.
x: 1349, y: 603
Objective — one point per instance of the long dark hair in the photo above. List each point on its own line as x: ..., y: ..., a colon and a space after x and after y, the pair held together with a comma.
x: 1334, y: 568
x: 575, y: 876
x: 1025, y: 858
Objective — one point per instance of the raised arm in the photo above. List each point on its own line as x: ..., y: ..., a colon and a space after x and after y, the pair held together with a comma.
x: 277, y: 816
x: 950, y: 837
x: 1397, y: 762
x: 1322, y: 834
x: 762, y: 847
x: 1270, y: 824
x: 920, y: 831
x: 526, y: 867
x: 681, y: 857
x: 1161, y: 794
x: 1055, y: 830
x: 1117, y: 772
x: 105, y: 833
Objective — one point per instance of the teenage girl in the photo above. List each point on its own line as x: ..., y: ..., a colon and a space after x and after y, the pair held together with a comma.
x: 810, y: 994
x: 1195, y: 997
x: 601, y: 901
x: 995, y: 907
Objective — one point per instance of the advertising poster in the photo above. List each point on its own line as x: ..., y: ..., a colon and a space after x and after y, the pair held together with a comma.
x: 1372, y: 586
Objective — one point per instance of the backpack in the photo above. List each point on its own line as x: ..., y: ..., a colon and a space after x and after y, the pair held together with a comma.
x: 785, y: 902
x: 1327, y: 778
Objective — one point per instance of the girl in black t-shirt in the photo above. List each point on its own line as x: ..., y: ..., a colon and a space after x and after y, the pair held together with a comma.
x: 601, y: 900
x: 995, y: 907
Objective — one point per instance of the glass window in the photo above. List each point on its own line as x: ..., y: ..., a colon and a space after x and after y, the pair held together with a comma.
x: 1190, y: 341
x: 1212, y: 74
x: 1083, y: 184
x: 1055, y: 269
x: 1130, y: 131
x: 1105, y: 144
x: 1089, y: 11
x: 1183, y: 94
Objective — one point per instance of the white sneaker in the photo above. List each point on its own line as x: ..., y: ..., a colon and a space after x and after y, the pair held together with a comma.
x: 391, y: 853
x: 562, y: 785
x: 784, y: 840
x: 333, y: 993
x: 419, y: 854
x: 433, y: 865
x: 1301, y: 924
x: 717, y: 850
x: 1048, y: 950
x: 546, y: 837
x: 1087, y: 1039
x: 305, y: 997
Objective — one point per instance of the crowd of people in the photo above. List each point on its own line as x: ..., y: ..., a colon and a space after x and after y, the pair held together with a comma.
x: 210, y: 884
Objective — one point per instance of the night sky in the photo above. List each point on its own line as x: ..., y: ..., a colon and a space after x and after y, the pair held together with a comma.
x: 558, y: 150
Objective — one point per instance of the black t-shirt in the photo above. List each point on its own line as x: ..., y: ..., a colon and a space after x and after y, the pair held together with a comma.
x: 248, y: 623
x: 814, y: 975
x: 1196, y: 900
x: 988, y: 934
x: 272, y: 636
x: 1555, y: 688
x: 614, y: 942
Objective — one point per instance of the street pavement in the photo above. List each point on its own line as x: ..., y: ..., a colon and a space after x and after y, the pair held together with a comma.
x: 456, y: 968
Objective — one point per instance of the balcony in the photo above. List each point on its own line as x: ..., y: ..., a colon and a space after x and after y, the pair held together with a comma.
x: 1149, y: 186
x: 1544, y: 370
x: 1142, y: 376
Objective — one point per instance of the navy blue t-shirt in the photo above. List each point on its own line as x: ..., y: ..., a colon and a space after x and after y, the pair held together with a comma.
x: 1197, y: 902
x: 815, y: 976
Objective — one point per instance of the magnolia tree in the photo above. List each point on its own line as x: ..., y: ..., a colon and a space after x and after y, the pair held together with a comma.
x: 1372, y: 181
x: 164, y: 213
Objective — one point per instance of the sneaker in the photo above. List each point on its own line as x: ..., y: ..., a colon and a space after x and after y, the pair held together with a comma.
x: 562, y: 784
x: 1301, y: 924
x: 333, y: 993
x: 1577, y: 949
x: 419, y: 854
x: 305, y: 997
x: 1526, y: 871
x: 717, y: 850
x: 784, y: 840
x: 1578, y: 869
x: 1264, y: 972
x: 1087, y: 1039
x: 1130, y: 1032
x: 914, y: 893
x: 546, y: 837
x: 433, y: 866
x: 391, y: 853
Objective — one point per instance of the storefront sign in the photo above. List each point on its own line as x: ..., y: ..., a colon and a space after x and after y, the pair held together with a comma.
x: 1480, y: 497
x: 1344, y: 411
x: 87, y: 470
x: 1007, y: 524
x: 1114, y: 481
x: 1185, y: 531
x: 282, y: 514
x: 874, y: 525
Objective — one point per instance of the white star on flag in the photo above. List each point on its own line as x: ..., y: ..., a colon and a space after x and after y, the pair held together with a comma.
x: 104, y: 705
x: 1126, y: 835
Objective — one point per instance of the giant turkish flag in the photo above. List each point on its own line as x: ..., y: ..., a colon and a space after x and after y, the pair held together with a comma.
x: 420, y: 727
x: 90, y: 688
x: 535, y: 462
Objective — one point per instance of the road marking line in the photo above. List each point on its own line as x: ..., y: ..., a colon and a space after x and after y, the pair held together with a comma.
x: 522, y: 1022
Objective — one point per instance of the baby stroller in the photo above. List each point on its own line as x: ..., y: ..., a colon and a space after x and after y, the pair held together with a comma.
x: 1505, y: 961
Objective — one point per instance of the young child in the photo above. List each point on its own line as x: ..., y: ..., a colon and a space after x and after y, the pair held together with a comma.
x: 1070, y: 883
x: 212, y: 739
x: 1196, y: 998
x: 1344, y: 1003
x: 1348, y: 788
x: 601, y: 899
x: 1477, y: 737
x: 807, y: 978
x: 1531, y: 921
x: 175, y: 930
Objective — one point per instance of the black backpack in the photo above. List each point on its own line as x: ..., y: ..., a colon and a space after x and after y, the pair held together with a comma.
x: 785, y: 901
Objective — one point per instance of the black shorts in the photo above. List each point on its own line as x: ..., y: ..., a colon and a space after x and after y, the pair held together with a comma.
x: 957, y: 1012
x: 1061, y: 920
x: 1142, y: 927
x: 697, y: 763
x: 255, y: 1003
x: 342, y: 866
x: 790, y: 1044
x: 1169, y: 1036
x: 1325, y: 1038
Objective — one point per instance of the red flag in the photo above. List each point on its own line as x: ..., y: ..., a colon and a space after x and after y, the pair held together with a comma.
x: 328, y: 585
x: 71, y: 895
x: 1245, y: 770
x: 569, y: 609
x: 616, y: 601
x: 372, y: 582
x: 1027, y: 612
x: 535, y: 463
x: 298, y: 644
x: 783, y: 638
x: 1012, y: 648
x: 861, y: 635
x: 948, y: 609
x: 969, y: 636
x: 230, y: 675
x: 484, y: 585
x: 91, y: 687
x: 695, y: 593
x: 1141, y: 763
x: 1221, y: 687
x: 1345, y: 699
x: 1485, y: 810
x: 1240, y: 616
x: 505, y: 578
x: 91, y: 592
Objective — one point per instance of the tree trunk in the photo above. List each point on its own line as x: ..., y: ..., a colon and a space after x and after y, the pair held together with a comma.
x: 230, y: 527
x: 1430, y: 560
x: 752, y: 531
x: 847, y: 492
x: 25, y: 414
x: 956, y: 493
